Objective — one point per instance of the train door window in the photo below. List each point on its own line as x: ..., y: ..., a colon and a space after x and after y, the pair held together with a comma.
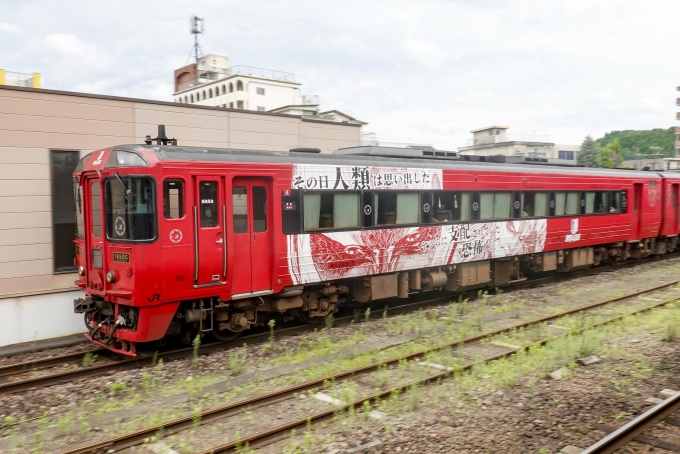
x: 534, y: 204
x: 259, y: 209
x: 451, y: 206
x: 208, y: 195
x: 496, y: 205
x: 346, y: 210
x: 239, y: 198
x: 173, y: 199
x: 572, y: 206
x: 408, y: 208
x: 560, y: 202
x: 96, y: 208
x: 385, y: 208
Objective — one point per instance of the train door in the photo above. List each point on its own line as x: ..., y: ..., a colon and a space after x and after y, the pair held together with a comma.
x: 210, y: 247
x: 636, y: 212
x: 94, y: 241
x: 252, y: 245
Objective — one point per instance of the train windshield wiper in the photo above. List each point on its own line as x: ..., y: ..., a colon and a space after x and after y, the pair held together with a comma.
x: 127, y: 191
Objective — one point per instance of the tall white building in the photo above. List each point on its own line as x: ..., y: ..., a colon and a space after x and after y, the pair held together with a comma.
x: 244, y: 87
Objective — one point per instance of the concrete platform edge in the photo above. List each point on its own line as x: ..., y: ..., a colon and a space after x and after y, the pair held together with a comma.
x: 44, y: 344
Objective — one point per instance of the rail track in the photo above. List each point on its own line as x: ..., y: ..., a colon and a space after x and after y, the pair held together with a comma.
x: 633, y: 430
x: 77, y: 368
x: 282, y: 431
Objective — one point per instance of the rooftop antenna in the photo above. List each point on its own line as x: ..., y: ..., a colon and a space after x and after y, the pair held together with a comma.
x: 197, y: 27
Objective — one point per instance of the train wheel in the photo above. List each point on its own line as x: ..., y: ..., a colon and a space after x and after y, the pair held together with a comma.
x: 304, y: 317
x: 225, y: 335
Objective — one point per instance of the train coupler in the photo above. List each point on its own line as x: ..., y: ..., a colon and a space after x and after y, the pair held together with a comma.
x: 82, y: 305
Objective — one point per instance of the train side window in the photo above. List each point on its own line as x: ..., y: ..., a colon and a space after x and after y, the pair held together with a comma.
x: 346, y: 210
x: 451, y: 206
x: 571, y: 207
x: 173, y: 199
x: 332, y: 210
x: 601, y: 203
x: 560, y: 201
x: 96, y: 209
x: 590, y: 202
x: 259, y: 209
x: 408, y: 208
x: 239, y: 198
x: 534, y: 204
x: 385, y: 208
x: 615, y: 202
x: 496, y: 205
x: 208, y: 195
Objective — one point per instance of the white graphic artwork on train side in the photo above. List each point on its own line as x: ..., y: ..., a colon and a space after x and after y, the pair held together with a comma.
x: 356, y: 178
x: 315, y: 257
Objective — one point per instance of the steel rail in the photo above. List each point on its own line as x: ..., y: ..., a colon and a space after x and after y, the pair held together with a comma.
x: 283, y: 431
x: 44, y: 363
x: 148, y: 359
x: 231, y: 409
x: 143, y: 360
x: 624, y: 434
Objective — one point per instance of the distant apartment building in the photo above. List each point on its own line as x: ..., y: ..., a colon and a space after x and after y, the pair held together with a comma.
x: 248, y: 88
x: 19, y: 79
x: 496, y: 140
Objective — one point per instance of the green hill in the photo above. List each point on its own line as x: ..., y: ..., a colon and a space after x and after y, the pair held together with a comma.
x: 630, y: 140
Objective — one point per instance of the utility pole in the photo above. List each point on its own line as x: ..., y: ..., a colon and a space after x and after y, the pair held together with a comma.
x: 197, y: 27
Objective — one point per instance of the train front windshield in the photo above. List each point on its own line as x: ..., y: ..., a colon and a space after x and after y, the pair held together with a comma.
x: 130, y: 209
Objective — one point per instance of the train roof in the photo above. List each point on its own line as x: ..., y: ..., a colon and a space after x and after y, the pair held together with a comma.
x: 369, y: 156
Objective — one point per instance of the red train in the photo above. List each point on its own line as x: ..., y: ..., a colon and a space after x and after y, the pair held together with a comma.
x: 182, y: 241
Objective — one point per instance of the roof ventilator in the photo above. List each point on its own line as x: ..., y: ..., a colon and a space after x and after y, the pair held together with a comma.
x: 162, y: 139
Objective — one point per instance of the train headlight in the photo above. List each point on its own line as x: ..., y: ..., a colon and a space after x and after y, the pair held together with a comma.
x: 81, y: 270
x: 111, y: 277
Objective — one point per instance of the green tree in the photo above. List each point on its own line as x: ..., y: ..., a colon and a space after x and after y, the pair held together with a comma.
x: 611, y: 155
x: 589, y: 155
x: 642, y: 140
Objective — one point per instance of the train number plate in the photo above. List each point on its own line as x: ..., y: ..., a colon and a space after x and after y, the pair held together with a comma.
x: 121, y: 257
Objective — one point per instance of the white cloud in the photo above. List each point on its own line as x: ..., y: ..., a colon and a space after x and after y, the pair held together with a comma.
x: 69, y: 45
x: 433, y: 70
x: 427, y: 54
x: 11, y: 29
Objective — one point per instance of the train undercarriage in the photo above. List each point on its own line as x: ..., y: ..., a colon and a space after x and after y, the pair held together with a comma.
x: 225, y: 320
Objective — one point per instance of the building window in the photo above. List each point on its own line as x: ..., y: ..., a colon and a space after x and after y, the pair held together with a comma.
x: 239, y: 104
x: 224, y: 90
x: 191, y: 97
x: 231, y: 87
x: 239, y: 86
x: 231, y: 105
x: 210, y: 93
x: 563, y: 154
x: 63, y: 163
x: 260, y: 109
x: 204, y: 95
x: 260, y: 91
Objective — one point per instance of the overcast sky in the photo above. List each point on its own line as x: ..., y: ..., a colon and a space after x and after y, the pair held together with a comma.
x: 421, y: 71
